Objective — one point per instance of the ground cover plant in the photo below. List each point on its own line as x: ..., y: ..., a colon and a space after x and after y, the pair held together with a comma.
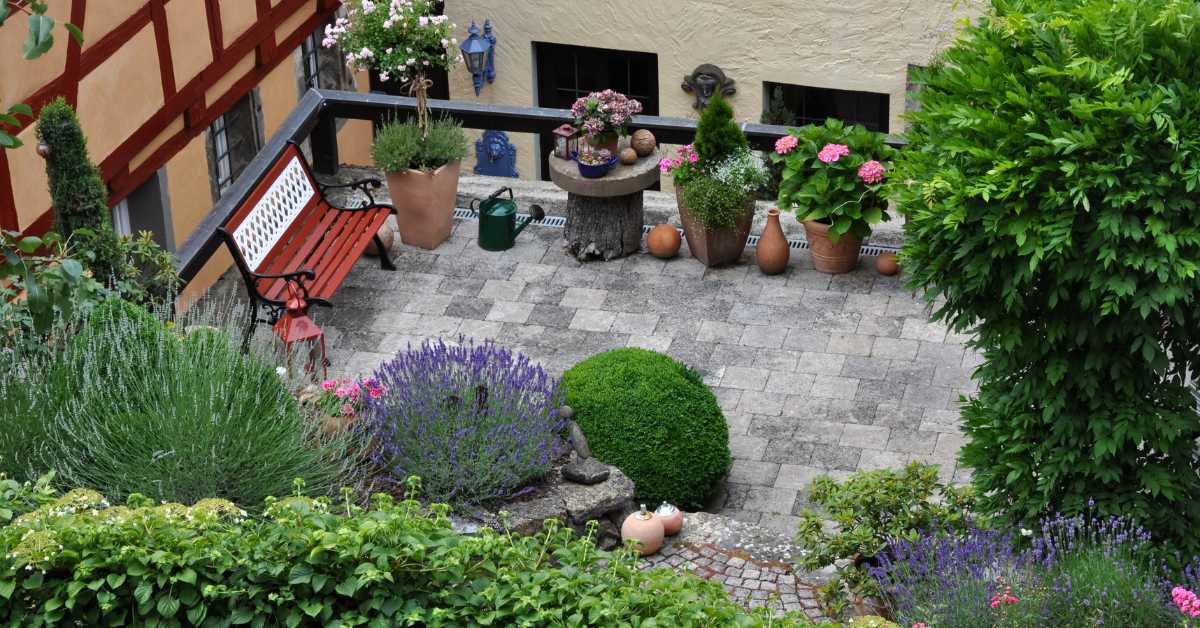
x: 176, y: 413
x: 477, y: 422
x: 655, y: 420
x: 1050, y: 188
x: 314, y: 562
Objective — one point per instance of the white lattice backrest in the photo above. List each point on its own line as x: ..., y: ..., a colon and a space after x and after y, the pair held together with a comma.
x: 273, y: 214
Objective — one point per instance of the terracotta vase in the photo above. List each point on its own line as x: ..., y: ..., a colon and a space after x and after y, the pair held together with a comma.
x: 425, y: 204
x: 643, y: 527
x: 719, y: 247
x: 663, y: 241
x: 772, y: 252
x: 671, y: 517
x: 828, y: 257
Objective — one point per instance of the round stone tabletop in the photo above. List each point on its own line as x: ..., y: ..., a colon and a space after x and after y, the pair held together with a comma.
x: 622, y: 180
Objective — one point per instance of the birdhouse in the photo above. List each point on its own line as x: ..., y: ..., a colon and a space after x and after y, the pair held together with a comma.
x: 566, y: 141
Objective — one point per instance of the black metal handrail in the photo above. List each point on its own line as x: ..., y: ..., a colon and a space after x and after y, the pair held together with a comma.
x: 315, y: 117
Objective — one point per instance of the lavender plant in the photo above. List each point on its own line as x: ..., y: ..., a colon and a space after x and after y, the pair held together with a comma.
x: 1076, y: 571
x: 475, y: 422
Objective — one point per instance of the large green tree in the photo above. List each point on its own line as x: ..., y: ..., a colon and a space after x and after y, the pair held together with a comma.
x: 1050, y: 184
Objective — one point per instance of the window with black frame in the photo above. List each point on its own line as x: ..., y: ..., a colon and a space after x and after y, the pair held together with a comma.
x: 321, y: 67
x: 233, y: 140
x: 813, y: 105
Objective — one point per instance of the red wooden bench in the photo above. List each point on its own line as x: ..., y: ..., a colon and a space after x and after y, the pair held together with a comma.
x: 286, y: 231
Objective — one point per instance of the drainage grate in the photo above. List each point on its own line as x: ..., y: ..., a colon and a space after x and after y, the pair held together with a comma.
x: 559, y: 222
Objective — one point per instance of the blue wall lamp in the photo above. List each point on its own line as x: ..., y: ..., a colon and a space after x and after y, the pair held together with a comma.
x: 479, y: 53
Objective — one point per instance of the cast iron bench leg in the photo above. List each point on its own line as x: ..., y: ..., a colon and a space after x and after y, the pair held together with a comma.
x: 385, y: 258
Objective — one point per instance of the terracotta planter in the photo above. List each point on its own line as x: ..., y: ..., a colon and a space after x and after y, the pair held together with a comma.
x: 828, y: 257
x: 608, y: 141
x: 643, y: 527
x: 424, y: 204
x: 772, y: 251
x: 715, y: 248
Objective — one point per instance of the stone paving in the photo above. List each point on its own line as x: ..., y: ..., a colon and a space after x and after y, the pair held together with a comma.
x: 816, y: 373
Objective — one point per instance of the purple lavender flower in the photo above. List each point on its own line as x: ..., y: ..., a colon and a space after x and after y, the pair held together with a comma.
x: 475, y: 422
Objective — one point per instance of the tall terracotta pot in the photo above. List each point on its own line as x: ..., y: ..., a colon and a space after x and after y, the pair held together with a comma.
x: 715, y: 248
x: 828, y: 257
x: 425, y: 204
x: 772, y: 251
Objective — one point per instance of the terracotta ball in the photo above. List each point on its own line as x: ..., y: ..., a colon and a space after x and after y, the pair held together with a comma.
x: 628, y: 156
x: 887, y: 264
x: 643, y: 142
x: 663, y: 241
x: 387, y: 235
x: 643, y: 527
x: 671, y: 517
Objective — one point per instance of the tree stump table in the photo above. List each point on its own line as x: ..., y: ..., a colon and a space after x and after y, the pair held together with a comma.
x: 604, y: 216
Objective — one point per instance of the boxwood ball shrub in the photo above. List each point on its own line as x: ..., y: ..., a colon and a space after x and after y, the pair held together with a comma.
x: 1050, y: 184
x: 655, y: 420
x: 476, y: 422
x: 313, y: 562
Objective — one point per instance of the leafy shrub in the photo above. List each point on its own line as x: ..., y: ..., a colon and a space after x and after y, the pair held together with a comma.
x: 717, y: 135
x: 1078, y: 571
x: 43, y: 289
x: 840, y: 186
x: 655, y: 420
x: 17, y: 498
x: 717, y: 204
x: 128, y: 406
x: 474, y: 422
x: 310, y: 562
x: 872, y: 508
x: 399, y: 146
x: 1049, y: 183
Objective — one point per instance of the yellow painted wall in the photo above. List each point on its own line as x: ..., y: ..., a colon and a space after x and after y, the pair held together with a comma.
x: 20, y: 78
x: 191, y: 200
x: 121, y: 94
x: 845, y: 44
x: 187, y: 29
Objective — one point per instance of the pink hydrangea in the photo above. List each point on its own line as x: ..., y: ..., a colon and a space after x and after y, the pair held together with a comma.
x: 1187, y: 601
x: 785, y: 144
x: 833, y: 152
x: 871, y: 172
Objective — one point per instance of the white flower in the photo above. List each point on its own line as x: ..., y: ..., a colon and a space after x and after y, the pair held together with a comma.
x: 368, y: 7
x: 281, y: 371
x: 383, y: 76
x: 1026, y: 532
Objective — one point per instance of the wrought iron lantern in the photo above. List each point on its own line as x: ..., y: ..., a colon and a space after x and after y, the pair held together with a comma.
x: 295, y: 328
x: 566, y: 141
x: 478, y: 52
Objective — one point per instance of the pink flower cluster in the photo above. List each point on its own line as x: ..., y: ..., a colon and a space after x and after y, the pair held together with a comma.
x: 871, y: 172
x: 920, y: 624
x: 685, y: 154
x: 350, y: 393
x: 785, y: 144
x: 1004, y: 598
x: 1187, y: 601
x: 603, y: 112
x: 833, y: 152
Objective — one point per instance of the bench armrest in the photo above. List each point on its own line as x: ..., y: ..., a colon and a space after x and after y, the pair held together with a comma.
x: 364, y: 185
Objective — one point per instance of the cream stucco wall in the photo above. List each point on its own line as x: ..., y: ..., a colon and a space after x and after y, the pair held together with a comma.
x: 862, y: 45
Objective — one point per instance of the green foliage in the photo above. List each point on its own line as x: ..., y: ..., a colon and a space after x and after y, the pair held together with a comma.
x: 399, y: 146
x: 871, y: 621
x: 834, y: 193
x: 1050, y: 187
x: 129, y: 406
x: 38, y: 40
x: 777, y: 111
x: 315, y: 563
x: 717, y: 204
x: 43, y: 289
x: 655, y: 420
x: 717, y: 135
x: 871, y: 508
x: 17, y: 498
x: 135, y: 267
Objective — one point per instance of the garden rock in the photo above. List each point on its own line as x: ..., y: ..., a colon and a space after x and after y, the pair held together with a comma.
x: 586, y: 471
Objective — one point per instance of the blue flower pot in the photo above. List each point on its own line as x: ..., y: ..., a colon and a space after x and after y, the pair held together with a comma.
x: 590, y: 171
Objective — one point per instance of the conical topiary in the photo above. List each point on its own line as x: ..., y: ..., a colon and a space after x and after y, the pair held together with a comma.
x: 717, y: 135
x: 77, y: 192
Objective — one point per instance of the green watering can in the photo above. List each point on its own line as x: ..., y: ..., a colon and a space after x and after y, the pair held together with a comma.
x: 498, y: 226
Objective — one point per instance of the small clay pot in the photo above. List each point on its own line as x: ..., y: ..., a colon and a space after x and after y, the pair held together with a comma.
x: 671, y: 517
x: 643, y: 142
x: 887, y: 264
x: 628, y: 156
x: 663, y: 241
x: 642, y: 526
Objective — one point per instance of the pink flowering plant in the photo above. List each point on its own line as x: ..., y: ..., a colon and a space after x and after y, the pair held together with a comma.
x: 601, y: 116
x: 346, y: 397
x: 835, y: 174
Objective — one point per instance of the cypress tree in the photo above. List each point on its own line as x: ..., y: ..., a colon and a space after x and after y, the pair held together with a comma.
x: 717, y: 135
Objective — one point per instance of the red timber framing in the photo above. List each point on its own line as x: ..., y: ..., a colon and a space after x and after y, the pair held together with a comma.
x: 180, y: 100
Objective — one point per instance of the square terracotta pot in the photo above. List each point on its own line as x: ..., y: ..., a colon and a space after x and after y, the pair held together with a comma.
x: 424, y: 204
x: 719, y: 247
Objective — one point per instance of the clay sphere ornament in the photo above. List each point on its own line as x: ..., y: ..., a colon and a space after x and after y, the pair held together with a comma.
x: 663, y: 241
x: 642, y: 526
x: 887, y: 264
x: 643, y: 142
x: 671, y: 517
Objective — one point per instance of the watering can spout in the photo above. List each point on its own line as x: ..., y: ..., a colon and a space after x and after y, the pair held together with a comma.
x: 535, y: 213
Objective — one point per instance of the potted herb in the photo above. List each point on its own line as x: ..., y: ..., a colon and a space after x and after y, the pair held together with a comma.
x: 833, y: 178
x: 595, y: 164
x: 403, y: 42
x: 716, y: 180
x: 603, y: 117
